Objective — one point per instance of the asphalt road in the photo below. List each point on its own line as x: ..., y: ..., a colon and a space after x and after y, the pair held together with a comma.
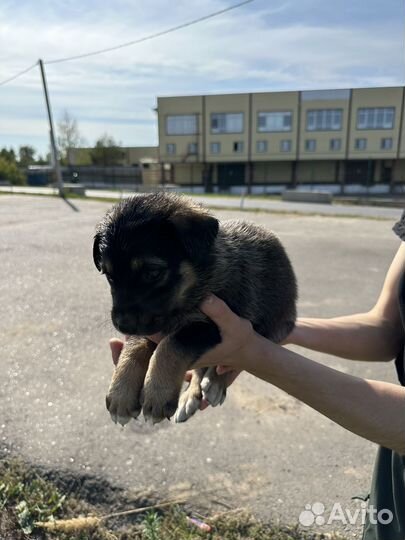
x: 262, y: 449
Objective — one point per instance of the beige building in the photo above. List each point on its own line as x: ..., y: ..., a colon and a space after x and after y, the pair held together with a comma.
x: 344, y: 139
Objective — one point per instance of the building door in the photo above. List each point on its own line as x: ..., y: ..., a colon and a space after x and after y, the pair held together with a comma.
x: 360, y: 172
x: 386, y: 172
x: 230, y: 174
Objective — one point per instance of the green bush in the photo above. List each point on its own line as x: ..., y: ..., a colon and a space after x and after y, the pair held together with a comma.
x: 10, y: 172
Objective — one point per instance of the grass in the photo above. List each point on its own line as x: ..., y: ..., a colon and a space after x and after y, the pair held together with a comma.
x: 29, y: 496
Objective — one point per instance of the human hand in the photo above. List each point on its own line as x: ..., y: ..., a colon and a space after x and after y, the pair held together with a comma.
x: 229, y: 356
x: 116, y: 346
x: 238, y: 337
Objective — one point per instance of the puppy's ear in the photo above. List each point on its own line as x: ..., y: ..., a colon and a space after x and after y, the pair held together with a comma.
x: 97, y: 252
x: 197, y: 232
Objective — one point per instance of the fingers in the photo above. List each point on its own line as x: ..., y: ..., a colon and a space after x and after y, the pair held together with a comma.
x: 218, y: 312
x: 204, y: 404
x: 224, y: 369
x: 116, y: 346
x: 231, y: 373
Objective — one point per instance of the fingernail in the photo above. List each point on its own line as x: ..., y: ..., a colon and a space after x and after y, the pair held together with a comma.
x: 209, y: 299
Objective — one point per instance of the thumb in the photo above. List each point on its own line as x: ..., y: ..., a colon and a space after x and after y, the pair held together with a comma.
x: 221, y: 370
x: 116, y: 346
x: 218, y: 312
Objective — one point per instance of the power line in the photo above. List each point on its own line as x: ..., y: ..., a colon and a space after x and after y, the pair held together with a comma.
x: 129, y: 43
x: 151, y: 36
x: 26, y: 70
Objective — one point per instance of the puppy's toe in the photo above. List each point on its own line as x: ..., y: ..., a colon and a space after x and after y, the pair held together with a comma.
x: 156, y: 412
x: 150, y: 416
x: 214, y: 387
x: 216, y: 394
x: 123, y: 420
x: 189, y: 403
x: 122, y: 409
x: 206, y: 382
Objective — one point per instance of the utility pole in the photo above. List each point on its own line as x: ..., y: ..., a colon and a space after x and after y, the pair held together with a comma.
x: 56, y: 164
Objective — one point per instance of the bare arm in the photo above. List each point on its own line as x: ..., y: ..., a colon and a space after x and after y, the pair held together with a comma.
x: 372, y: 409
x: 373, y: 336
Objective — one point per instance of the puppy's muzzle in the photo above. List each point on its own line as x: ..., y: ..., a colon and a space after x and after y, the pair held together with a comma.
x: 132, y: 323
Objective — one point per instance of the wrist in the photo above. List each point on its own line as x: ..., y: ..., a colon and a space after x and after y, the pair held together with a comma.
x: 297, y: 335
x: 263, y: 359
x: 255, y: 351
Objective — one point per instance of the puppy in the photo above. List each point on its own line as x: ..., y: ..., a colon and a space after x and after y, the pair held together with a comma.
x: 162, y: 254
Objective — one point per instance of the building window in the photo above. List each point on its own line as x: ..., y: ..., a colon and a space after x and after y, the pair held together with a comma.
x: 335, y: 145
x: 386, y: 143
x: 274, y: 121
x: 170, y: 149
x: 324, y: 120
x: 238, y: 147
x: 376, y: 118
x: 261, y: 147
x: 227, y: 123
x: 285, y: 145
x: 192, y: 148
x: 181, y: 124
x: 310, y: 145
x: 215, y: 148
x: 360, y: 144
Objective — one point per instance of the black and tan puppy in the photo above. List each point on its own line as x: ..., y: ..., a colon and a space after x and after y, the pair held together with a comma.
x: 162, y: 254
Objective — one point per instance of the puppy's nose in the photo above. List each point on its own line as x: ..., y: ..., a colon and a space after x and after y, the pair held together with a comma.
x: 125, y: 322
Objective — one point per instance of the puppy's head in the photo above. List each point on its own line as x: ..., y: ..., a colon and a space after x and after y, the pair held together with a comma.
x: 154, y: 250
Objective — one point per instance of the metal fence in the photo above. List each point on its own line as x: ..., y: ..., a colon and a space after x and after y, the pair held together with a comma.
x: 90, y: 176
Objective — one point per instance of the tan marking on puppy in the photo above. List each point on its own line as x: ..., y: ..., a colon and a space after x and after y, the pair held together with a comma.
x: 189, y: 279
x: 123, y: 397
x: 138, y: 262
x: 155, y: 260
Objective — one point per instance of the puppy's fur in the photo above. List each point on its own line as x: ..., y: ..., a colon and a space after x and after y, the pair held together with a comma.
x: 162, y: 254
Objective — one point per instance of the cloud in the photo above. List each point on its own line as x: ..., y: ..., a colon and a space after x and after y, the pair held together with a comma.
x: 262, y: 46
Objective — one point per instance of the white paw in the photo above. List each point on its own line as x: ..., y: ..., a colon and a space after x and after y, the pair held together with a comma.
x: 213, y: 388
x: 188, y: 405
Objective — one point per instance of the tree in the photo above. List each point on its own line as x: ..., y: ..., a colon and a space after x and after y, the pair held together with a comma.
x: 68, y: 136
x: 26, y: 156
x: 43, y: 160
x: 10, y: 172
x: 106, y: 152
x: 8, y: 155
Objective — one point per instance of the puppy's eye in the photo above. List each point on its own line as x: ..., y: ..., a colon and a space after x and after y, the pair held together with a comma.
x: 153, y: 274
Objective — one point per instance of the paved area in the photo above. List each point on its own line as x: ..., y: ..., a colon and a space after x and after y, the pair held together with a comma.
x: 245, y: 203
x: 262, y: 449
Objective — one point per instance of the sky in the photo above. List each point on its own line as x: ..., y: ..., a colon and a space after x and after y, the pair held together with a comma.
x: 265, y: 45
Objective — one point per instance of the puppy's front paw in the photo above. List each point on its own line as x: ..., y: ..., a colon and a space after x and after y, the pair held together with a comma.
x: 189, y: 403
x: 214, y: 387
x: 123, y: 402
x: 158, y: 401
x: 123, y: 397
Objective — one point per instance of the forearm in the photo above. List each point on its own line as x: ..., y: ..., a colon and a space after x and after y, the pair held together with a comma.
x: 364, y: 336
x: 372, y: 409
